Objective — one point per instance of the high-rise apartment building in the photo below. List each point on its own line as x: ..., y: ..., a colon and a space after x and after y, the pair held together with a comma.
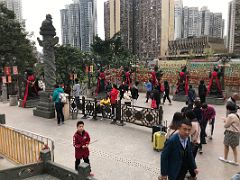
x: 147, y: 26
x: 178, y: 19
x: 111, y: 17
x: 191, y: 22
x: 202, y: 23
x: 107, y: 20
x: 79, y: 24
x: 16, y: 6
x: 234, y: 27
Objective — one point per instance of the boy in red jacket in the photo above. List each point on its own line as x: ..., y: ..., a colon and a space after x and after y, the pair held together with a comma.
x: 81, y: 140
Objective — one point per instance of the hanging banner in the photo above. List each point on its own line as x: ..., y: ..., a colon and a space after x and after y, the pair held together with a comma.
x: 4, y: 80
x: 15, y: 70
x: 91, y: 69
x: 7, y: 71
x: 75, y: 76
x: 9, y: 79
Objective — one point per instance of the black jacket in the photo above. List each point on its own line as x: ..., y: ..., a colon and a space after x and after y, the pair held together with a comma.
x: 202, y: 90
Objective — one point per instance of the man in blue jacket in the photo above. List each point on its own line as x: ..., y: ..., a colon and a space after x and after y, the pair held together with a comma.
x: 177, y: 158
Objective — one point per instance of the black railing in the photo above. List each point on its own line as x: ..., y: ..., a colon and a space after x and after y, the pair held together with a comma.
x: 122, y: 113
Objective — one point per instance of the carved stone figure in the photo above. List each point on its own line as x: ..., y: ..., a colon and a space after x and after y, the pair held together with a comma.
x: 46, y: 108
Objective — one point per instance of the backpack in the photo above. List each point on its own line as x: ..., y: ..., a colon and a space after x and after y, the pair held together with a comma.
x: 63, y: 98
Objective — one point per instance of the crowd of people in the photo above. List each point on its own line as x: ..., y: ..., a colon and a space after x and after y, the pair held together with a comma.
x: 187, y: 135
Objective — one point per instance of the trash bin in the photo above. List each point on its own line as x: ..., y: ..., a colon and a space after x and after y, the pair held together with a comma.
x: 66, y: 108
x: 13, y: 100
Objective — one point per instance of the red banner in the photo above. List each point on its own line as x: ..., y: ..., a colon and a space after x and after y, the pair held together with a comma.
x: 87, y: 69
x: 7, y: 71
x: 9, y: 79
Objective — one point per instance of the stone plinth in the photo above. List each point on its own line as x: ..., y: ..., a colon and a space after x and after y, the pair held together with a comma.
x: 180, y: 98
x: 215, y: 100
x: 32, y: 103
x: 45, y: 108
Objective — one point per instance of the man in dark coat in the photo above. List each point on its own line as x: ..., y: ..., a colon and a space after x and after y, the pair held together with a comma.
x: 202, y: 91
x: 177, y: 157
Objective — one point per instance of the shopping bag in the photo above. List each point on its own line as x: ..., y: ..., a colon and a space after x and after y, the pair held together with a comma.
x: 154, y: 104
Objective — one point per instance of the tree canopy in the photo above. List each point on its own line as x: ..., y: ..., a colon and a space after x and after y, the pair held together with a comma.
x: 111, y: 51
x: 15, y: 47
x: 69, y: 60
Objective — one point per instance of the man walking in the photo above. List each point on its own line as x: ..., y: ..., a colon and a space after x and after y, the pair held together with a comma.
x: 77, y: 92
x: 177, y: 157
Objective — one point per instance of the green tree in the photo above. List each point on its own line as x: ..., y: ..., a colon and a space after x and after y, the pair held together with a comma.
x: 15, y: 47
x: 68, y: 60
x: 111, y: 51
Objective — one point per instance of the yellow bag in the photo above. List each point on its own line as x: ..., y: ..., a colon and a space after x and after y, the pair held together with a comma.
x: 159, y: 139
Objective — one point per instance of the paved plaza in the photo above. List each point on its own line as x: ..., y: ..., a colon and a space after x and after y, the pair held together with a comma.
x: 120, y: 153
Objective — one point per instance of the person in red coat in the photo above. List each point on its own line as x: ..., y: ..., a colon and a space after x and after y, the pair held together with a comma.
x: 81, y: 140
x: 113, y: 99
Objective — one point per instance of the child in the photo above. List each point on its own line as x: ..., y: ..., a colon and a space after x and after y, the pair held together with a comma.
x: 81, y: 140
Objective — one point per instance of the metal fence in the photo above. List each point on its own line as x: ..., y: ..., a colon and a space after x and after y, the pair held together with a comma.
x: 21, y: 146
x: 122, y: 112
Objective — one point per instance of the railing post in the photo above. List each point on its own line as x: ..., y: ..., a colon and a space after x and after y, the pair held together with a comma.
x: 119, y: 113
x: 160, y: 111
x: 45, y: 155
x: 2, y: 119
x: 84, y: 108
x: 95, y: 109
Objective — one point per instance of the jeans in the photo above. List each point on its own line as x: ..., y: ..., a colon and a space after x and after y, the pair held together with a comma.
x: 59, y: 109
x: 77, y: 100
x: 77, y: 162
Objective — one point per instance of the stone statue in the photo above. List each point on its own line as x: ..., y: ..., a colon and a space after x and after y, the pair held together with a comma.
x: 214, y: 86
x: 182, y: 84
x: 45, y: 107
x: 48, y: 32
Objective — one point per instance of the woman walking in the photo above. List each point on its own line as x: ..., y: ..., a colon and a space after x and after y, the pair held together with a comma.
x: 231, y: 134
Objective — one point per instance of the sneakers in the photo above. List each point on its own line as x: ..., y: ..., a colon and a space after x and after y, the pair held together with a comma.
x: 200, y: 151
x: 233, y: 163
x: 210, y: 137
x: 223, y: 160
x: 91, y: 174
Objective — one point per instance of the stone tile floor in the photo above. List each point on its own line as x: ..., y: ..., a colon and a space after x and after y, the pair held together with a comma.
x: 122, y: 153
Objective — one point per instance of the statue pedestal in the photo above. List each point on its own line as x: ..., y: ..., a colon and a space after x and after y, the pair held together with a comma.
x: 32, y: 103
x: 179, y: 97
x: 215, y: 100
x: 45, y: 108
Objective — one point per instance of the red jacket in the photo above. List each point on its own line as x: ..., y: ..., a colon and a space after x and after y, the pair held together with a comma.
x: 80, y: 140
x: 113, y: 96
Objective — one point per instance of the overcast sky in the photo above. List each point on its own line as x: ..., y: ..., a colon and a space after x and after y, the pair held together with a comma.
x: 34, y: 12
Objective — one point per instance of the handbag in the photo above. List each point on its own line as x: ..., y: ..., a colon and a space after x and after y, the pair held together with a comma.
x: 154, y: 104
